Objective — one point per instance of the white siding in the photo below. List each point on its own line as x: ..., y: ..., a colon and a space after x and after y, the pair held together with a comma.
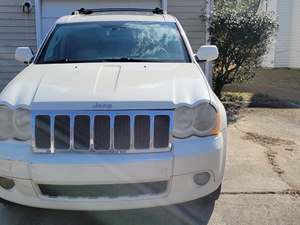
x: 16, y: 29
x: 282, y: 48
x: 294, y: 35
x: 191, y: 14
x: 285, y: 51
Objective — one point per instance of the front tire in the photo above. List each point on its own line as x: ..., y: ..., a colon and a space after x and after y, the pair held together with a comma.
x: 214, y: 196
x: 6, y: 203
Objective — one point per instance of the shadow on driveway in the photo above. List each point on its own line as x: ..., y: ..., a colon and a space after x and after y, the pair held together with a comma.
x: 195, y: 212
x: 266, y: 101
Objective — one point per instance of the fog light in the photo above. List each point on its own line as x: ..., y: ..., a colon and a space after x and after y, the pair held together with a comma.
x: 201, y: 178
x: 6, y: 183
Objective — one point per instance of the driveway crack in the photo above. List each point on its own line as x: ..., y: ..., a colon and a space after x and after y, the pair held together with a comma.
x: 267, y: 142
x: 290, y: 192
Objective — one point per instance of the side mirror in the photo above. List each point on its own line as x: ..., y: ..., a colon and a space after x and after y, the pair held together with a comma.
x: 207, y: 53
x: 23, y: 54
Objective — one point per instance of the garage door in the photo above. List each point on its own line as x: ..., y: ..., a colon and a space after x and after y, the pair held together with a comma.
x: 51, y: 10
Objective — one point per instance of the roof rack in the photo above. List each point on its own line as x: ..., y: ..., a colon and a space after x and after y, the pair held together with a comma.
x: 90, y: 11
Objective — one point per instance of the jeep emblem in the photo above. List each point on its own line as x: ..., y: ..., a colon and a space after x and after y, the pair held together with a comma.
x: 98, y: 105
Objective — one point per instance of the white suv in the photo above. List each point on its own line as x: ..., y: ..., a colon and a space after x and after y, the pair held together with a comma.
x: 113, y: 112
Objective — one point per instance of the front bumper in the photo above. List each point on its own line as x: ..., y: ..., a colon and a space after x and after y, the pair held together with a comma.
x: 187, y: 158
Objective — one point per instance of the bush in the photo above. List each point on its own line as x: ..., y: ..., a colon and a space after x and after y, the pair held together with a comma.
x: 243, y: 37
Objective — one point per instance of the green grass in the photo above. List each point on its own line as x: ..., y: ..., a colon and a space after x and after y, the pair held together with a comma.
x: 282, y: 84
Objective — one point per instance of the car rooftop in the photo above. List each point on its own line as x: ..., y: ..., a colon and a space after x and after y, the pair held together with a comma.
x: 116, y: 16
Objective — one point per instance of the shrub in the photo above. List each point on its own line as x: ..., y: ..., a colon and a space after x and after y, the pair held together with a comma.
x: 243, y: 36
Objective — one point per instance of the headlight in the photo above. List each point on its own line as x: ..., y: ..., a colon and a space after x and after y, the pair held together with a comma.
x: 183, y: 125
x: 206, y: 120
x: 6, y: 125
x: 22, y: 124
x: 202, y: 120
x: 15, y: 123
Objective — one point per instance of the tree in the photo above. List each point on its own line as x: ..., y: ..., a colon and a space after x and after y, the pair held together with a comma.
x: 253, y: 5
x: 243, y: 36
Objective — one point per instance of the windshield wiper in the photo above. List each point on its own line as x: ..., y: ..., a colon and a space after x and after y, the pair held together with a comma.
x: 123, y: 59
x: 63, y: 60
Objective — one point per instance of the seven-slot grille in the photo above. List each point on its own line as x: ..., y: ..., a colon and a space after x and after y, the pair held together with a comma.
x: 99, y: 131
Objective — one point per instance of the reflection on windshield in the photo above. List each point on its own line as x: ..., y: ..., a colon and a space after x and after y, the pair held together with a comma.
x: 114, y: 42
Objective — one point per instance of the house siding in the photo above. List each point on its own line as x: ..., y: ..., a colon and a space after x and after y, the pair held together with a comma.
x: 282, y: 48
x: 285, y: 50
x: 294, y: 54
x: 16, y: 29
x: 191, y: 14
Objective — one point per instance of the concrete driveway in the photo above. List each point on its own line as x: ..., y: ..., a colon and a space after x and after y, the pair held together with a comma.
x: 261, y: 184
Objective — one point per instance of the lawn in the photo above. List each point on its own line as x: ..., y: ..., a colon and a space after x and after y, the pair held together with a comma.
x: 283, y: 84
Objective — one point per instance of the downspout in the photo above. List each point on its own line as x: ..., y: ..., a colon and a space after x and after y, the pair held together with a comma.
x: 164, y: 4
x: 38, y: 22
x: 208, y: 65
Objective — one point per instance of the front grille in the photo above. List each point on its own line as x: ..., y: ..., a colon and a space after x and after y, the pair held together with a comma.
x: 104, y: 190
x: 42, y: 134
x: 62, y: 132
x: 82, y: 132
x: 122, y: 132
x: 102, y: 131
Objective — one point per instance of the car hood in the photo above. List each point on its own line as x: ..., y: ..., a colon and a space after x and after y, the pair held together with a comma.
x: 107, y: 86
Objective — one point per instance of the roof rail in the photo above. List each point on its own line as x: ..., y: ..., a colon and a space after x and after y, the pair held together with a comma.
x: 90, y: 11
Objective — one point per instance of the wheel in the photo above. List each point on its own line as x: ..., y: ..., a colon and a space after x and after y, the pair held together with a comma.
x: 6, y: 203
x: 214, y: 196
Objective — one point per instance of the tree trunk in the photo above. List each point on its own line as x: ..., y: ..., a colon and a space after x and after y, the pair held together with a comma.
x: 218, y: 86
x: 218, y: 91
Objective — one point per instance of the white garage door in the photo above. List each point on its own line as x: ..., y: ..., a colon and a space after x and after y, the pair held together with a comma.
x: 51, y: 10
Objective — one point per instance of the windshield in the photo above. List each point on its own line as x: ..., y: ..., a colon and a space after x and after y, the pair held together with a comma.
x: 114, y: 42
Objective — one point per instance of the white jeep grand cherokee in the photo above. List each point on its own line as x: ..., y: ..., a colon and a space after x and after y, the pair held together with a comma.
x: 113, y: 112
